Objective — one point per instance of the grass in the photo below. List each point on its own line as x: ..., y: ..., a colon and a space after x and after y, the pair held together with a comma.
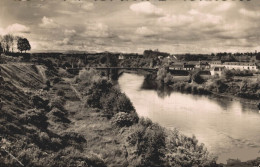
x: 77, y: 134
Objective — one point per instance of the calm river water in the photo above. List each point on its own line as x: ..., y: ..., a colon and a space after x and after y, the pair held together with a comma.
x: 229, y: 129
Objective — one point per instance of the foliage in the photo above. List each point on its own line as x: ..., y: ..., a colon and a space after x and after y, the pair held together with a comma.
x: 23, y: 44
x: 7, y: 42
x: 168, y: 79
x: 58, y: 102
x: 218, y: 85
x: 149, y: 141
x: 40, y: 103
x: 122, y: 119
x: 35, y: 117
x: 195, y: 76
x: 123, y: 104
x: 249, y: 90
x: 60, y: 93
x: 26, y: 56
x: 161, y: 74
x: 228, y: 74
x: 98, y: 89
x: 1, y: 48
x: 184, y: 151
x: 87, y: 76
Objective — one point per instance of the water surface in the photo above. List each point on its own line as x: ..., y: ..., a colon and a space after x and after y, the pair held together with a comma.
x: 229, y: 129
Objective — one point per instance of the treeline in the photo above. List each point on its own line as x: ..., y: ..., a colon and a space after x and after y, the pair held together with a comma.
x: 8, y: 41
x: 230, y: 82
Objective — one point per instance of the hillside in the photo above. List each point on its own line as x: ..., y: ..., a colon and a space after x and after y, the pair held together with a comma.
x: 51, y: 118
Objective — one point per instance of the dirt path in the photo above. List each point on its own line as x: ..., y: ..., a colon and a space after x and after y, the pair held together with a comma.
x: 76, y: 91
x: 42, y: 70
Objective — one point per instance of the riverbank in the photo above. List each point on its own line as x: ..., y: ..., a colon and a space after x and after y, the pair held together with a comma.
x: 244, y: 89
x: 83, y: 121
x: 213, y: 120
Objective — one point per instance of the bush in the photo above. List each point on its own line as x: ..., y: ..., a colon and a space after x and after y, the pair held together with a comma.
x: 60, y: 93
x: 228, y: 74
x: 58, y: 115
x: 122, y: 119
x: 184, y: 151
x: 98, y: 90
x: 168, y: 79
x: 149, y: 140
x: 35, y: 117
x: 124, y: 104
x: 58, y: 102
x: 162, y: 73
x: 88, y: 76
x: 40, y: 103
x: 56, y: 80
x: 218, y: 86
x: 195, y: 76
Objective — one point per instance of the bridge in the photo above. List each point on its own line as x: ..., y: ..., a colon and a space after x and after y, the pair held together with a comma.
x: 117, y: 71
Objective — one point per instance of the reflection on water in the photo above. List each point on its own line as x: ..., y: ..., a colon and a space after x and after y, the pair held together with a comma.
x: 228, y: 128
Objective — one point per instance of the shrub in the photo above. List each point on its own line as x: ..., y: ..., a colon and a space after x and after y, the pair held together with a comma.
x: 218, y: 86
x: 228, y: 74
x: 184, y: 151
x: 40, y: 103
x: 88, y: 76
x: 195, y: 76
x: 58, y: 102
x: 35, y: 117
x: 57, y: 80
x: 60, y: 93
x: 98, y: 89
x: 58, y: 115
x: 122, y: 119
x: 149, y: 141
x: 168, y: 79
x: 124, y: 104
x: 161, y: 74
x: 73, y: 137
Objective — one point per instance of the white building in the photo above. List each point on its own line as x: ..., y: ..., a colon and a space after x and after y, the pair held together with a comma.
x: 217, y: 70
x: 240, y: 65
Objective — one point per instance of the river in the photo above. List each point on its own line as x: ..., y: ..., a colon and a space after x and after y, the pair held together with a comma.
x: 229, y: 129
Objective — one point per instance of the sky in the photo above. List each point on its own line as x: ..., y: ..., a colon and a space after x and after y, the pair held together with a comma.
x: 174, y: 26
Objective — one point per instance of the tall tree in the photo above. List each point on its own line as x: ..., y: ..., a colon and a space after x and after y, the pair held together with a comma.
x: 1, y: 48
x: 23, y: 44
x: 8, y: 41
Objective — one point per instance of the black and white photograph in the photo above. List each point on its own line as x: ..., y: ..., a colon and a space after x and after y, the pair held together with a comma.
x: 129, y: 83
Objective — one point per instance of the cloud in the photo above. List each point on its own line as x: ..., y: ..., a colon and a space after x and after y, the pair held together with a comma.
x: 96, y: 29
x: 175, y: 20
x: 146, y: 8
x: 15, y: 29
x: 48, y: 23
x: 87, y: 6
x: 65, y: 41
x: 205, y: 18
x: 144, y: 31
x: 253, y: 14
x: 224, y: 6
x: 69, y: 32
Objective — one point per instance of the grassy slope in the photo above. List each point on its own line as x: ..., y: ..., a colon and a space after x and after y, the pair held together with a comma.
x: 94, y: 138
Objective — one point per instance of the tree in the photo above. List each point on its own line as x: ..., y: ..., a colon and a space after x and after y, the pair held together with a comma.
x: 228, y: 74
x: 195, y: 76
x: 1, y: 48
x: 23, y: 45
x: 8, y: 42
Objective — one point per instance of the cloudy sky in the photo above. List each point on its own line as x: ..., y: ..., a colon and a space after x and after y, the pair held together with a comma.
x: 174, y: 26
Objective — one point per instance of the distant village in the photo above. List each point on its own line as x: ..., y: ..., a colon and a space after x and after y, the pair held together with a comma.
x: 214, y: 63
